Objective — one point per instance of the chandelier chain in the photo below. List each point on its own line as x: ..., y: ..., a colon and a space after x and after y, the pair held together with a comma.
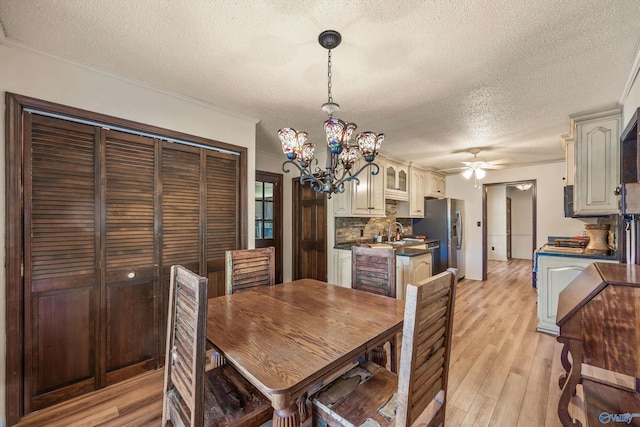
x: 329, y: 76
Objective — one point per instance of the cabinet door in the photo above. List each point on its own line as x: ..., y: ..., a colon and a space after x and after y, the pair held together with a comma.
x: 416, y: 193
x: 376, y: 194
x: 342, y: 201
x: 368, y: 196
x: 421, y: 268
x: 435, y: 185
x: 344, y: 268
x: 553, y: 276
x: 396, y: 185
x: 597, y: 166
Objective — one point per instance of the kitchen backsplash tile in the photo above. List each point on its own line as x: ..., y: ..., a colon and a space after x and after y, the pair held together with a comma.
x: 348, y: 229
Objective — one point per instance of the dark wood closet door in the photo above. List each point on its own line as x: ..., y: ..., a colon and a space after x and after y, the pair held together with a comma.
x: 95, y: 220
x: 222, y: 214
x: 131, y: 314
x: 61, y: 278
x: 180, y: 224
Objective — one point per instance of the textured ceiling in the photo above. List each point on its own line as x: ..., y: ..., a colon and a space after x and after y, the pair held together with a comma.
x: 437, y: 77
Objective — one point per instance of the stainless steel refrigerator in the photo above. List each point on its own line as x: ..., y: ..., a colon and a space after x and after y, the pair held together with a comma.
x: 443, y: 220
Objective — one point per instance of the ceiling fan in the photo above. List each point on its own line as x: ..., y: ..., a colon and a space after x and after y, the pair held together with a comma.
x: 477, y: 166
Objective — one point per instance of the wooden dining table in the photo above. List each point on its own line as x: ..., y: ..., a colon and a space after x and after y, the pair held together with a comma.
x: 289, y: 338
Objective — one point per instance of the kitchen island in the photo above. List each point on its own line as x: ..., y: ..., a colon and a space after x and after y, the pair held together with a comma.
x: 555, y: 267
x: 414, y: 260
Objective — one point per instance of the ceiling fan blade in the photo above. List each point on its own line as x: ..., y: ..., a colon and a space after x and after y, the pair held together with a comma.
x: 454, y: 169
x: 493, y: 166
x: 499, y: 161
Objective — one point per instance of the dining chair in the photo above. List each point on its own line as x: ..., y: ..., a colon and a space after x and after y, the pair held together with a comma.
x: 193, y: 397
x: 249, y: 268
x: 374, y: 270
x: 370, y: 392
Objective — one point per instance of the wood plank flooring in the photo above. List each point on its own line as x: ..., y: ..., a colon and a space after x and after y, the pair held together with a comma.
x: 503, y: 372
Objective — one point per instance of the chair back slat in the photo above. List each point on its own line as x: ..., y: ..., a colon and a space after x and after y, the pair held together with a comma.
x: 374, y: 270
x: 426, y: 345
x: 184, y: 383
x: 249, y: 268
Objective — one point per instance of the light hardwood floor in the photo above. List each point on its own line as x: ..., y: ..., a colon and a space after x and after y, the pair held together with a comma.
x: 502, y: 373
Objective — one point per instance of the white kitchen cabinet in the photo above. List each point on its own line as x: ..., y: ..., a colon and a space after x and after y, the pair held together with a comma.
x: 367, y: 198
x: 597, y: 163
x: 411, y: 269
x: 364, y: 199
x: 414, y: 207
x: 435, y: 185
x: 569, y: 145
x: 554, y: 273
x: 396, y: 180
x: 342, y: 267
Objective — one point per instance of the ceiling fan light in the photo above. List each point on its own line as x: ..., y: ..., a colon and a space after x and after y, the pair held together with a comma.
x: 480, y: 173
x: 467, y: 174
x: 524, y: 186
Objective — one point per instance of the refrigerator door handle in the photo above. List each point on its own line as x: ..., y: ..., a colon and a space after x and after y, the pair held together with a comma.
x: 459, y: 230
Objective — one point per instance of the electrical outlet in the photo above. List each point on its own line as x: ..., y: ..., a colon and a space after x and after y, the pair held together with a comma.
x: 493, y: 248
x: 478, y: 223
x: 361, y: 232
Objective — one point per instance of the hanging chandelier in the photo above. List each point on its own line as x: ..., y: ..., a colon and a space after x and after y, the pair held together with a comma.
x: 342, y: 151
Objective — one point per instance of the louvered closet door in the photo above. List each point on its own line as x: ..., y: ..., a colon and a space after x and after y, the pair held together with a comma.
x: 181, y: 222
x: 132, y: 331
x: 61, y: 287
x: 223, y: 215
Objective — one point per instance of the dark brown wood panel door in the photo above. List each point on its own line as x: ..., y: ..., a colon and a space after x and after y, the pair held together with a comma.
x: 310, y: 233
x: 131, y: 317
x: 60, y: 275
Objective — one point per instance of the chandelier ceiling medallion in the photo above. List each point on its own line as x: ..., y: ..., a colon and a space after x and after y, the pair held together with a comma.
x: 342, y: 151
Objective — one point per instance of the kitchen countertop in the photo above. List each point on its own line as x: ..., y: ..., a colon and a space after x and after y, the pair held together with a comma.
x: 552, y: 250
x: 407, y: 249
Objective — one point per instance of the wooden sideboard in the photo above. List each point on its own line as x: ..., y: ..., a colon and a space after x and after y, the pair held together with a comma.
x: 599, y: 320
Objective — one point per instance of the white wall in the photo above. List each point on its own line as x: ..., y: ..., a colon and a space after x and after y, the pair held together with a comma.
x: 550, y: 215
x: 41, y: 76
x: 521, y: 223
x: 497, y: 223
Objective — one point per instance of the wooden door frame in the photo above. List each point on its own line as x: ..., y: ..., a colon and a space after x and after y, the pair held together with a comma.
x: 14, y: 207
x: 278, y: 218
x: 534, y: 220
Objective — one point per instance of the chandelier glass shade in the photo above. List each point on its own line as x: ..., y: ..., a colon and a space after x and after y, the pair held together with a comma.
x: 342, y: 151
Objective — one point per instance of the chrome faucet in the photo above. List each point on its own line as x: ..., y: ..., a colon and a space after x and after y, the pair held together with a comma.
x: 389, y: 230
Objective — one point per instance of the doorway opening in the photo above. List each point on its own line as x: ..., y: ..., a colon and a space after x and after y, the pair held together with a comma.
x: 504, y: 208
x: 269, y: 215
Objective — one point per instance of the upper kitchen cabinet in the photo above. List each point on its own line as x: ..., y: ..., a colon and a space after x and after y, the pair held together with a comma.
x: 396, y: 180
x: 365, y: 198
x: 435, y: 185
x: 597, y: 167
x: 569, y: 145
x: 414, y: 207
